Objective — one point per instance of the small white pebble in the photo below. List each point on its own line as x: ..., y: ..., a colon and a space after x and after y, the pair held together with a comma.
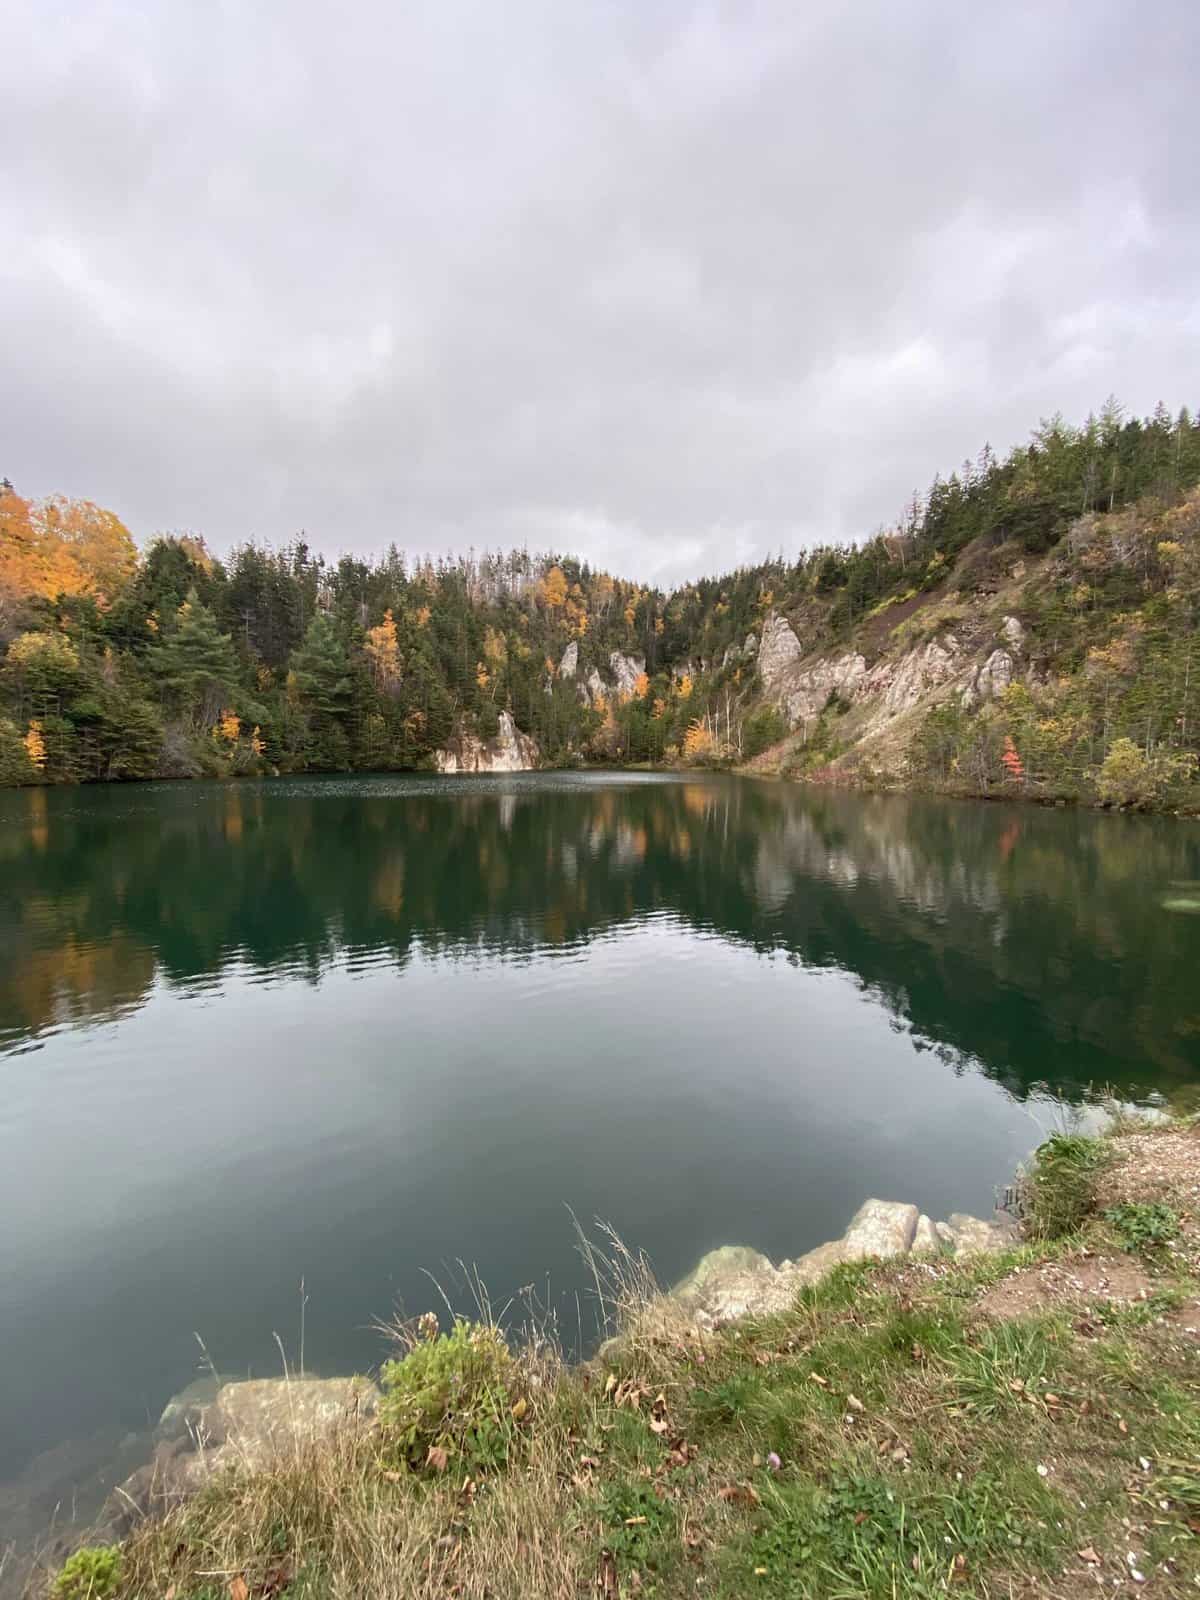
x: 1043, y: 1472
x: 1144, y: 1463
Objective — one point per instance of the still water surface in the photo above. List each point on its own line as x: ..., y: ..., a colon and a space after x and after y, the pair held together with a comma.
x: 336, y: 1032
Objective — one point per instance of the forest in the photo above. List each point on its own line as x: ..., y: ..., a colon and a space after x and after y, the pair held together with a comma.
x: 121, y: 663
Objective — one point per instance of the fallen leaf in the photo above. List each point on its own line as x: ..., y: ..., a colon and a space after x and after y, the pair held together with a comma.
x: 817, y: 1378
x: 1122, y: 1426
x: 438, y: 1458
x: 239, y: 1589
x: 738, y: 1494
x: 659, y: 1425
x: 855, y: 1403
x: 519, y: 1410
x: 1089, y: 1555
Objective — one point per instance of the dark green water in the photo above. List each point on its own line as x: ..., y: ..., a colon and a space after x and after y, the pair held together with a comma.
x: 340, y: 1031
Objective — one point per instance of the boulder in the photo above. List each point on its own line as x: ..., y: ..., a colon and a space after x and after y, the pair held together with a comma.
x: 926, y: 1240
x: 813, y: 1266
x: 569, y: 664
x: 972, y: 1236
x: 245, y: 1425
x: 257, y: 1420
x: 883, y: 1228
x: 733, y: 1281
x: 184, y: 1411
x: 719, y: 1264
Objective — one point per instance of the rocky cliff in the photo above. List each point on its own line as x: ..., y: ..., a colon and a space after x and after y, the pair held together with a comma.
x: 882, y: 688
x: 509, y: 751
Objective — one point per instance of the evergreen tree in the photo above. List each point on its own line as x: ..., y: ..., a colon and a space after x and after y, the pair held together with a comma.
x: 195, y: 664
x: 319, y: 684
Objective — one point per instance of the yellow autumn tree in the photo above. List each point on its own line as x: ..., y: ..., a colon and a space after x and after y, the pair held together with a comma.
x: 22, y: 563
x: 87, y: 549
x: 553, y: 590
x: 495, y: 646
x: 35, y: 746
x: 641, y: 687
x: 685, y: 687
x: 697, y: 741
x: 229, y: 727
x: 256, y: 741
x: 383, y: 652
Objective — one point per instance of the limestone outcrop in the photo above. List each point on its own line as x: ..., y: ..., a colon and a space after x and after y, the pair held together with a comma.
x: 778, y: 651
x: 510, y: 750
x: 626, y: 670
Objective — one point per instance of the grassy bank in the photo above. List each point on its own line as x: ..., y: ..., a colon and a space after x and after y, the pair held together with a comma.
x: 1015, y: 1425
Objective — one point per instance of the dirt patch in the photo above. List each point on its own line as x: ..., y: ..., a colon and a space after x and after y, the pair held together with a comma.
x: 1185, y: 1320
x: 1158, y: 1165
x: 1077, y: 1281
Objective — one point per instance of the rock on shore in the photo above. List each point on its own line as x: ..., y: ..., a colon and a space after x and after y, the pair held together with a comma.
x: 212, y: 1426
x: 735, y: 1281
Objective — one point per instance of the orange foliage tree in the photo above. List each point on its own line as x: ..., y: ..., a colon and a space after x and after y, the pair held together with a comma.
x: 35, y: 746
x: 61, y: 547
x: 383, y: 652
x: 697, y: 741
x: 1011, y: 760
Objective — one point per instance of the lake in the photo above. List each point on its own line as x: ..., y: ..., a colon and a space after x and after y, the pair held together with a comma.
x: 272, y: 1052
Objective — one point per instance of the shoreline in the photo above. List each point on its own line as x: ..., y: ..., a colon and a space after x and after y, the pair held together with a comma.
x: 1007, y: 1414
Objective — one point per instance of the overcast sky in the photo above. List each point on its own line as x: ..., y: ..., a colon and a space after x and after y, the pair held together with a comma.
x: 668, y: 285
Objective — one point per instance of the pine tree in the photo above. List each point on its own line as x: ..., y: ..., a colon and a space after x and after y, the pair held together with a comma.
x: 195, y: 664
x: 319, y: 683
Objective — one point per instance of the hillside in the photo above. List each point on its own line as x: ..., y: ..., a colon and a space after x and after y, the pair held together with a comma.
x: 1029, y: 627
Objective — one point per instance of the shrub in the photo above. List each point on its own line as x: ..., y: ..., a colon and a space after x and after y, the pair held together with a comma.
x: 452, y: 1394
x: 1059, y: 1193
x: 90, y: 1574
x: 1130, y: 777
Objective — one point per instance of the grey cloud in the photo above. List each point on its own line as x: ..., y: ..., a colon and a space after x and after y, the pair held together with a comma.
x: 672, y: 285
